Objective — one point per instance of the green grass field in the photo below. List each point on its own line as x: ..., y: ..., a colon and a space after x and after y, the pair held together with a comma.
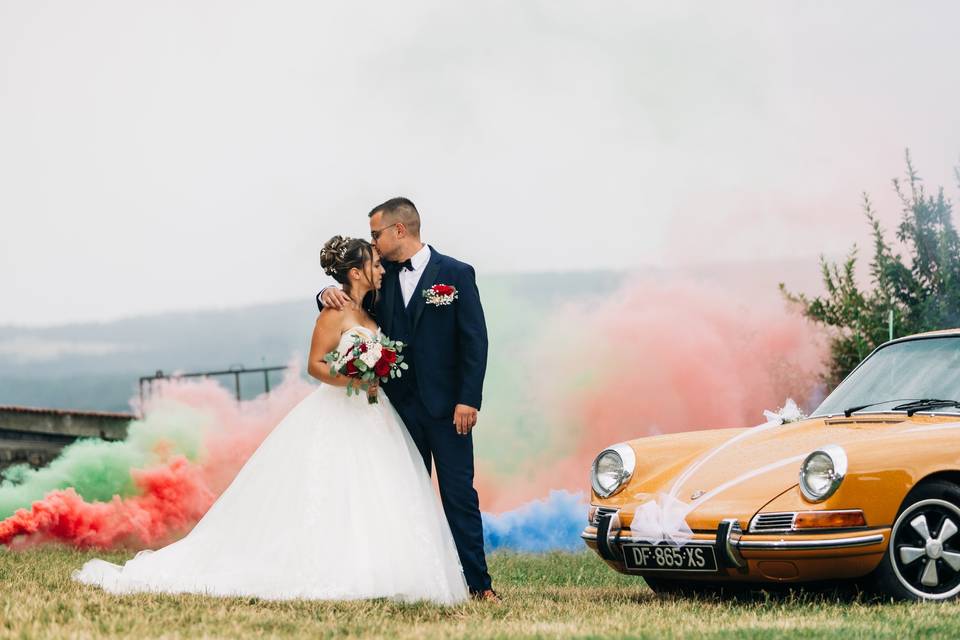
x: 546, y: 596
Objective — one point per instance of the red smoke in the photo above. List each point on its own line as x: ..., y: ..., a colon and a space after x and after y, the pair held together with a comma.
x: 174, y: 497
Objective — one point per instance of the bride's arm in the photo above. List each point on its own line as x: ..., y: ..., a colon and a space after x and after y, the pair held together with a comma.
x: 326, y: 336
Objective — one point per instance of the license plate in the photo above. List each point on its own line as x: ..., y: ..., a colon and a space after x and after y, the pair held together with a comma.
x: 662, y: 557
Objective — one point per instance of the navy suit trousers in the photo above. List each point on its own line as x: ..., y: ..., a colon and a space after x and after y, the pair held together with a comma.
x: 452, y: 455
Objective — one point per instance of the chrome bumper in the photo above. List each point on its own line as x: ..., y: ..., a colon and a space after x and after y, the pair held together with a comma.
x: 821, y: 543
x: 728, y: 542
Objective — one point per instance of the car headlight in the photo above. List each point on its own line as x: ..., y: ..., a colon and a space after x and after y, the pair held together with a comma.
x: 822, y: 472
x: 612, y: 469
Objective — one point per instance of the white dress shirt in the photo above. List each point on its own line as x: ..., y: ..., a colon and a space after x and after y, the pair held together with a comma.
x: 410, y: 279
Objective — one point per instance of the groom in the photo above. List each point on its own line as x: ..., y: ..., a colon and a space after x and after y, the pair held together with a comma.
x: 446, y: 345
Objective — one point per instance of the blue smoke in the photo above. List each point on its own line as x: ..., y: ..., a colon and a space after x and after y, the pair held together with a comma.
x: 551, y: 524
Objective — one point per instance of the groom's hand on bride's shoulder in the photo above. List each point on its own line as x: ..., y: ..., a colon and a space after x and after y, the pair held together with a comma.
x: 464, y: 418
x: 334, y: 298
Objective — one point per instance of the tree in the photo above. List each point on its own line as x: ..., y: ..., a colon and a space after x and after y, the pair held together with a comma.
x: 922, y: 290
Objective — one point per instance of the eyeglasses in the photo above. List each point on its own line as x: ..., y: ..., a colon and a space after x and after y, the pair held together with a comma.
x: 375, y: 233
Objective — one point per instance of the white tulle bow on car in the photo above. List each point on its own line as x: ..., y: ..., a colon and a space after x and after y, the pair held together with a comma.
x: 789, y: 412
x: 662, y: 520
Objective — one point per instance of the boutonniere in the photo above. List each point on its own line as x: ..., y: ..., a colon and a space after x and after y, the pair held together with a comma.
x: 440, y: 294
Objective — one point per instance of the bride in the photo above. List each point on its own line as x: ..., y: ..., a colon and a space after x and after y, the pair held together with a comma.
x: 335, y: 504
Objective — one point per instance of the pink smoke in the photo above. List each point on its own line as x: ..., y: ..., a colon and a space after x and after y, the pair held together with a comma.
x: 658, y: 357
x: 235, y: 429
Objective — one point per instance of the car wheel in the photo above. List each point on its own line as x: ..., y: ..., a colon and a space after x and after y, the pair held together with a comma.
x: 922, y: 561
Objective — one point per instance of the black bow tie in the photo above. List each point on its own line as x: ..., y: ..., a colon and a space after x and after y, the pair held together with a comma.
x: 406, y: 264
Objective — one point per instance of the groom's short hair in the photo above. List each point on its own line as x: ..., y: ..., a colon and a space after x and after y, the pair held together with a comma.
x: 399, y: 210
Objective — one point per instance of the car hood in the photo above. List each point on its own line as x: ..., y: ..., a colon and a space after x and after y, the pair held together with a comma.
x: 735, y: 476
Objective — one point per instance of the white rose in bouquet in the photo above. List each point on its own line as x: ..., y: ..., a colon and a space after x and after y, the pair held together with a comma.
x: 372, y: 356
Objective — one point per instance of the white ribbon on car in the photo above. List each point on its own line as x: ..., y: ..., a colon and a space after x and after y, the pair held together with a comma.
x: 790, y: 412
x: 664, y: 519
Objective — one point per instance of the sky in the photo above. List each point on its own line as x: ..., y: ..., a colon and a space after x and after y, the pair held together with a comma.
x: 197, y: 154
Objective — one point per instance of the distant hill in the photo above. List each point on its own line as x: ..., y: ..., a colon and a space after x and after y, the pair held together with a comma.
x: 97, y: 365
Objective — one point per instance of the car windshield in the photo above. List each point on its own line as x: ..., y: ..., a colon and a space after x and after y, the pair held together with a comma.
x: 927, y: 368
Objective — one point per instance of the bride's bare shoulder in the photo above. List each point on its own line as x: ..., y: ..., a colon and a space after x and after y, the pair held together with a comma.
x: 336, y: 319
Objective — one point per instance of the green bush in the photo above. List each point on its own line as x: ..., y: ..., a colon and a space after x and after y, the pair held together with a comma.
x: 911, y: 293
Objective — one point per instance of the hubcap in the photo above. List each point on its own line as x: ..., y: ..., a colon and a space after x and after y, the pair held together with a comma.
x: 925, y: 550
x: 934, y: 549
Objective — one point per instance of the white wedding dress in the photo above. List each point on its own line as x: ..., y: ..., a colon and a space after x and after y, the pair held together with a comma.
x: 335, y: 504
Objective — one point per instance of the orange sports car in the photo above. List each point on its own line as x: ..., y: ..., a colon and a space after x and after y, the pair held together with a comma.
x: 868, y: 486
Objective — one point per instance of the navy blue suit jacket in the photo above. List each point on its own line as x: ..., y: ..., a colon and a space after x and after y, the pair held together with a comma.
x: 447, y: 345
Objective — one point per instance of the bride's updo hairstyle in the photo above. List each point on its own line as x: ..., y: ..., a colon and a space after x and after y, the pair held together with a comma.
x: 341, y: 254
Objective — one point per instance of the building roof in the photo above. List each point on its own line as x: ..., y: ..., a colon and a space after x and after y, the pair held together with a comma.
x: 66, y: 412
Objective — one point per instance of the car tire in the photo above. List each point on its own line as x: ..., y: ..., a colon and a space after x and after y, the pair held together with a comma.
x: 922, y: 560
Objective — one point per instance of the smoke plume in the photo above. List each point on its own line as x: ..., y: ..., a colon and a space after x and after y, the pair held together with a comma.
x: 654, y: 357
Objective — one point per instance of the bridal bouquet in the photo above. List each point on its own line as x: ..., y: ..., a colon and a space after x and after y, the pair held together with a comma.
x: 367, y: 360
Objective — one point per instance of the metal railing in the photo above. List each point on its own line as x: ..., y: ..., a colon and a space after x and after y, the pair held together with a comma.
x: 146, y: 382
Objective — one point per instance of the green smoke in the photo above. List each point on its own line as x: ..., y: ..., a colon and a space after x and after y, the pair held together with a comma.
x: 99, y: 470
